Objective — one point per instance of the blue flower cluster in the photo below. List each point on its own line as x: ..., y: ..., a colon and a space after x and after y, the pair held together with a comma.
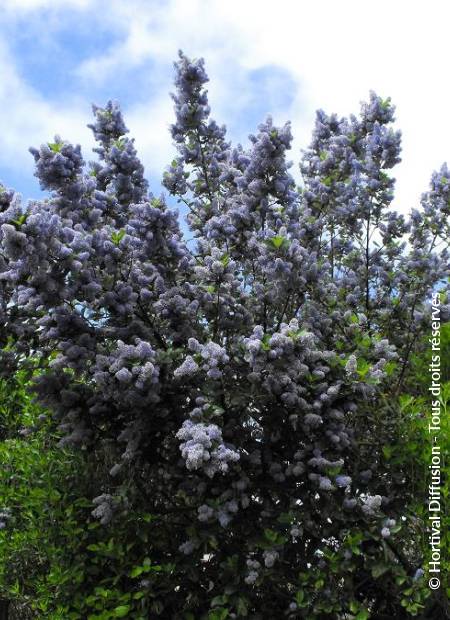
x: 236, y: 372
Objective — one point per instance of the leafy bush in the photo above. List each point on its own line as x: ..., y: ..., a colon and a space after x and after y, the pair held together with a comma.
x: 241, y: 390
x: 57, y: 560
x: 410, y: 452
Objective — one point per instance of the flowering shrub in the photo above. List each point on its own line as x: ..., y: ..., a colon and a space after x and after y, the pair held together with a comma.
x: 57, y: 560
x: 248, y: 379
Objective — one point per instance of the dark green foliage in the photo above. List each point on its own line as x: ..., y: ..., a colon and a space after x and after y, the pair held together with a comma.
x: 55, y: 558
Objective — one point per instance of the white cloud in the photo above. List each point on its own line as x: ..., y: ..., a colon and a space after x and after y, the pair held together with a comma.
x: 150, y: 126
x: 335, y: 52
x: 15, y: 6
x: 341, y: 50
x: 29, y: 120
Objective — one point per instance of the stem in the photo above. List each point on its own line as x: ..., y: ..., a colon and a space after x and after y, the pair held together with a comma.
x: 204, y: 167
x: 286, y: 303
x: 367, y: 272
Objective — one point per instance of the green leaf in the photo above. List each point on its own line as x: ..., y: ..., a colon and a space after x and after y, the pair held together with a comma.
x: 363, y: 367
x: 387, y: 452
x: 20, y: 220
x: 242, y: 606
x: 270, y: 535
x: 265, y: 342
x: 120, y: 143
x: 220, y: 600
x: 353, y: 607
x: 121, y: 611
x: 116, y: 237
x: 218, y: 614
x: 333, y: 470
x: 136, y: 571
x: 389, y: 368
x: 213, y: 542
x: 285, y: 518
x: 362, y: 615
x: 299, y: 597
x: 55, y: 146
x: 225, y: 260
x: 295, y: 334
x: 378, y: 570
x: 278, y: 241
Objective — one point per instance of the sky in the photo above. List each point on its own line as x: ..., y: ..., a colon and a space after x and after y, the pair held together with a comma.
x: 286, y: 58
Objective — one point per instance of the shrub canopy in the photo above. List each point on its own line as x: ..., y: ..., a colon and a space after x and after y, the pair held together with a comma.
x: 244, y: 383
